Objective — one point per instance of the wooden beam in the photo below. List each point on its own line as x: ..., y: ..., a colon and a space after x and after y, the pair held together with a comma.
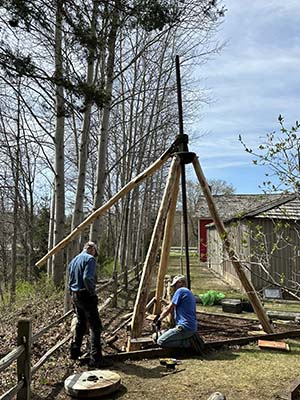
x: 249, y: 339
x: 177, y: 352
x: 11, y: 357
x: 272, y: 345
x: 166, y: 245
x: 100, y: 211
x: 150, y: 261
x: 247, y: 285
x: 49, y: 353
x: 294, y: 390
x: 149, y: 353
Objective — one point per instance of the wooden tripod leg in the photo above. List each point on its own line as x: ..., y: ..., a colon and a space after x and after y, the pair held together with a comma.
x: 100, y: 211
x: 247, y: 285
x: 166, y: 245
x: 145, y: 282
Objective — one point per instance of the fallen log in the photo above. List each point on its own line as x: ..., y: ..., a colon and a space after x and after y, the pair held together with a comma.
x: 111, y: 339
x: 126, y: 322
x: 289, y: 316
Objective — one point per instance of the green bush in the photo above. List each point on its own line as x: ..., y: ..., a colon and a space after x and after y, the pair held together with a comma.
x: 106, y: 269
x: 30, y: 290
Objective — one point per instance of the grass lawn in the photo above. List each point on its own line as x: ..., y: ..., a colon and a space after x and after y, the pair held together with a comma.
x: 245, y: 373
x: 202, y: 280
x: 241, y: 373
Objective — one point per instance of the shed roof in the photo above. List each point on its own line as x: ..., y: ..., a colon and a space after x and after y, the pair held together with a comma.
x: 253, y: 205
x: 286, y: 208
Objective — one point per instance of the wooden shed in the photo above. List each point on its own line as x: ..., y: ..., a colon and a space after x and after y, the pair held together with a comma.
x: 229, y: 206
x: 266, y: 238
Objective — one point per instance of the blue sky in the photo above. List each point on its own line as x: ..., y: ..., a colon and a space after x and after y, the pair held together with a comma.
x: 253, y: 80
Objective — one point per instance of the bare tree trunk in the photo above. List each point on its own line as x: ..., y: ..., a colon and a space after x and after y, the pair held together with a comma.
x: 85, y: 136
x: 102, y: 145
x: 51, y: 232
x: 14, y: 237
x: 28, y: 181
x: 15, y: 163
x: 59, y: 213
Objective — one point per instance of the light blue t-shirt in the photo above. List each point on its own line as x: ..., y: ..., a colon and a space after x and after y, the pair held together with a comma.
x: 185, y: 310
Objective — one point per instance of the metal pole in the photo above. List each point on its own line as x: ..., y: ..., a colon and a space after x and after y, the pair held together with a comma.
x: 183, y: 147
x: 185, y: 224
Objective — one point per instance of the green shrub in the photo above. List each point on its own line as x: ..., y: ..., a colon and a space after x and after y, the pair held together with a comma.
x: 106, y: 269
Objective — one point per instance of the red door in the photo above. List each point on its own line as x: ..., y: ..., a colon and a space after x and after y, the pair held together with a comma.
x: 203, y: 238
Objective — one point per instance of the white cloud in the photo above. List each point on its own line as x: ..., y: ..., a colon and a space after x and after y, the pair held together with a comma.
x: 253, y: 80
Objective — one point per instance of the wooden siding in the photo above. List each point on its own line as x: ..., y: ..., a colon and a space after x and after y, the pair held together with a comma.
x: 240, y: 239
x: 214, y: 250
x: 282, y: 245
x: 217, y: 258
x: 280, y: 257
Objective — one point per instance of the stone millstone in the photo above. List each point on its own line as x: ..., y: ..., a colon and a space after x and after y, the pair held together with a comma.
x: 217, y: 396
x: 91, y: 384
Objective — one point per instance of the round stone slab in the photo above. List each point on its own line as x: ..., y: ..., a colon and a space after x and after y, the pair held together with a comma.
x: 90, y: 384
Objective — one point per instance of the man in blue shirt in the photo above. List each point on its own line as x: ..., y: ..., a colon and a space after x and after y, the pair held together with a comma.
x: 183, y: 307
x: 82, y: 270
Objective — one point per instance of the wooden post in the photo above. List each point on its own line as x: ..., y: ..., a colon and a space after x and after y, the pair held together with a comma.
x: 145, y: 282
x: 250, y: 290
x: 24, y: 361
x: 100, y: 211
x: 294, y: 390
x: 166, y: 245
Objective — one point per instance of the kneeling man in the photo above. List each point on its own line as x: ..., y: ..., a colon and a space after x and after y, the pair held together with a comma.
x: 183, y: 307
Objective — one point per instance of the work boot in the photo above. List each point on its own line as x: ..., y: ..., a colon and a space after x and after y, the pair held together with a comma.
x: 197, y: 344
x: 75, y: 352
x: 101, y: 363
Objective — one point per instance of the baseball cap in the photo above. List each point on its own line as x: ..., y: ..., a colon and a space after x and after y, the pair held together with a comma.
x: 178, y: 278
x: 91, y: 245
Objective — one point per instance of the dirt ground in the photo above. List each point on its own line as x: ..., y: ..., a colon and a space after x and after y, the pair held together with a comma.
x: 149, y: 380
x: 231, y: 371
x: 241, y: 372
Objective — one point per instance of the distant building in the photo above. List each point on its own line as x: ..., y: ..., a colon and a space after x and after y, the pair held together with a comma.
x: 264, y: 231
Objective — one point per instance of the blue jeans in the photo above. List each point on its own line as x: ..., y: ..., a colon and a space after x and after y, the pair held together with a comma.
x: 175, y: 337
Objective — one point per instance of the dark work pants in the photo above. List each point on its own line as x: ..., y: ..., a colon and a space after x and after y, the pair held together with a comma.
x: 87, y: 315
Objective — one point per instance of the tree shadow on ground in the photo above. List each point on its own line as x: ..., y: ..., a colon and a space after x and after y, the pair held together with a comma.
x: 223, y: 354
x: 150, y: 372
x: 141, y: 371
x: 55, y: 391
x: 116, y: 395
